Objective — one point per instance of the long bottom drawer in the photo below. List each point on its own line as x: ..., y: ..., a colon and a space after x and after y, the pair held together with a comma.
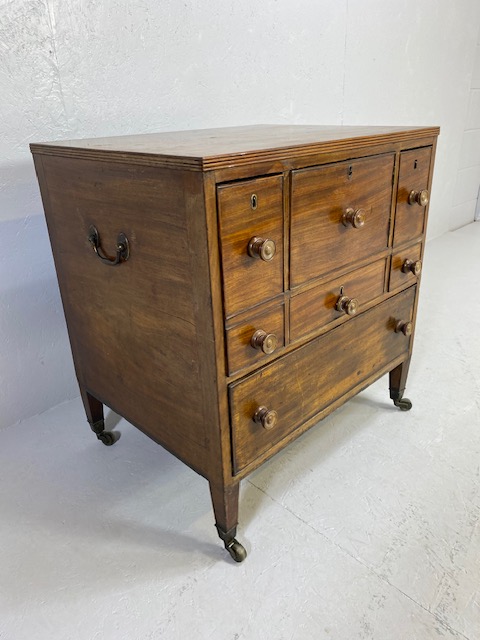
x: 303, y: 383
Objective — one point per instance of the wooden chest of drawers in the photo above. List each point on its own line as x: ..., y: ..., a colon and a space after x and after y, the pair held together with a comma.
x: 225, y: 289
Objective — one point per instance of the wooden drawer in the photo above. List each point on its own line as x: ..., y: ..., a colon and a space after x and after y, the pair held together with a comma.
x: 303, y: 383
x: 413, y: 176
x: 402, y: 273
x: 250, y: 209
x: 320, y: 242
x: 240, y: 351
x: 315, y: 308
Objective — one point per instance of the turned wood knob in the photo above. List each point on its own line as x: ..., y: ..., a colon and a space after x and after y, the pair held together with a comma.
x: 266, y: 342
x: 415, y: 266
x: 261, y: 248
x: 355, y: 217
x: 347, y: 305
x: 418, y: 197
x: 404, y: 327
x: 266, y: 417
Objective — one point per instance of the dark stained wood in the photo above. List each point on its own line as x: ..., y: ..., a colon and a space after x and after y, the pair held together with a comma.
x: 239, y: 349
x: 206, y: 149
x: 397, y: 277
x: 320, y: 243
x: 315, y: 307
x: 398, y: 379
x: 250, y: 280
x: 164, y: 338
x: 298, y: 388
x: 414, y: 174
x: 136, y: 343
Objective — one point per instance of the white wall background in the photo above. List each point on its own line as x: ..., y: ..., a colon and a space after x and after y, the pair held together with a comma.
x: 81, y: 68
x: 466, y: 199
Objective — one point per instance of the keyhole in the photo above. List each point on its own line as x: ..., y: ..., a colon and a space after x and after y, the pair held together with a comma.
x: 341, y: 290
x: 415, y: 164
x: 350, y: 171
x: 254, y: 201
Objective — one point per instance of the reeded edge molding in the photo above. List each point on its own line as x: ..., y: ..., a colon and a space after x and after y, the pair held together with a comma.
x: 209, y: 163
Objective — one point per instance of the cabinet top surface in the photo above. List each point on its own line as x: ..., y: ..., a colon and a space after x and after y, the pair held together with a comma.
x: 205, y: 149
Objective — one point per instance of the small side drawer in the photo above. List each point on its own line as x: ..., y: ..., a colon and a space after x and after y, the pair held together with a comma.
x: 316, y: 307
x: 265, y: 329
x: 412, y: 189
x: 406, y: 267
x: 272, y: 403
x: 251, y: 210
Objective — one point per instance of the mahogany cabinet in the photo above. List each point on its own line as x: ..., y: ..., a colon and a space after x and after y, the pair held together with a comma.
x: 226, y: 289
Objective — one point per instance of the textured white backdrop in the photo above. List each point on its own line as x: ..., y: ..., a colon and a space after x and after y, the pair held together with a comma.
x: 81, y: 68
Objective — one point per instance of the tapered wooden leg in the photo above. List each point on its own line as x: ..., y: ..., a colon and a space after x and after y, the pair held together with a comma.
x: 398, y: 378
x: 94, y: 411
x: 225, y: 507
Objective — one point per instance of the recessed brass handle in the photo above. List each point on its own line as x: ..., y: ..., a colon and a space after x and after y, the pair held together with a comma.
x: 261, y: 248
x: 418, y: 197
x: 347, y: 305
x: 414, y: 266
x: 266, y: 342
x: 404, y: 327
x: 122, y: 247
x: 355, y: 217
x: 266, y: 417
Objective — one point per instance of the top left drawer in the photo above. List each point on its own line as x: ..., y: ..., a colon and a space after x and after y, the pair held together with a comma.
x: 251, y: 238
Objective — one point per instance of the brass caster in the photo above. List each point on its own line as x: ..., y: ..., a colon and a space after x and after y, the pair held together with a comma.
x: 404, y: 404
x: 236, y: 550
x: 108, y: 437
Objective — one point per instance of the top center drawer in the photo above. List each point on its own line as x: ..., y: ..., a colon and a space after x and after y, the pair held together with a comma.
x: 340, y: 214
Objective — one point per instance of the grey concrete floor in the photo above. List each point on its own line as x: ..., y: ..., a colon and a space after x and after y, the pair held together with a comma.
x: 366, y: 527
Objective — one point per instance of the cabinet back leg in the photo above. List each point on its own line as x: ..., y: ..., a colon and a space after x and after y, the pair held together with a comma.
x: 94, y: 411
x: 398, y: 379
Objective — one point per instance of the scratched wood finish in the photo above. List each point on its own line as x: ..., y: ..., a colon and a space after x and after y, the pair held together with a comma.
x: 397, y: 277
x: 249, y: 280
x: 163, y: 338
x: 240, y: 351
x: 298, y: 388
x: 315, y: 308
x: 413, y: 176
x: 320, y: 243
x: 132, y: 326
x: 208, y: 149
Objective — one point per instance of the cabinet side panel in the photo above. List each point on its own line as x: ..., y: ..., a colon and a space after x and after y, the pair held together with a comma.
x: 132, y: 326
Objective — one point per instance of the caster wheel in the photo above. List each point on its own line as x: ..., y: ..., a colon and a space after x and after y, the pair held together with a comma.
x: 404, y: 404
x: 109, y: 437
x: 236, y: 550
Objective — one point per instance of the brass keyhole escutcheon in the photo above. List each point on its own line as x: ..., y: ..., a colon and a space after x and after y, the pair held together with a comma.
x: 254, y: 201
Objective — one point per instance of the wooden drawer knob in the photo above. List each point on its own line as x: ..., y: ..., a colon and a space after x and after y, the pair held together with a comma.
x: 404, y: 327
x: 266, y: 342
x: 355, y: 217
x: 266, y: 417
x: 347, y: 305
x: 261, y: 248
x: 415, y: 266
x: 418, y: 197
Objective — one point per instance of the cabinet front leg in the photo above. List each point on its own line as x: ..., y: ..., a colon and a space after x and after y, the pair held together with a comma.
x: 398, y: 378
x: 94, y: 411
x: 225, y: 507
